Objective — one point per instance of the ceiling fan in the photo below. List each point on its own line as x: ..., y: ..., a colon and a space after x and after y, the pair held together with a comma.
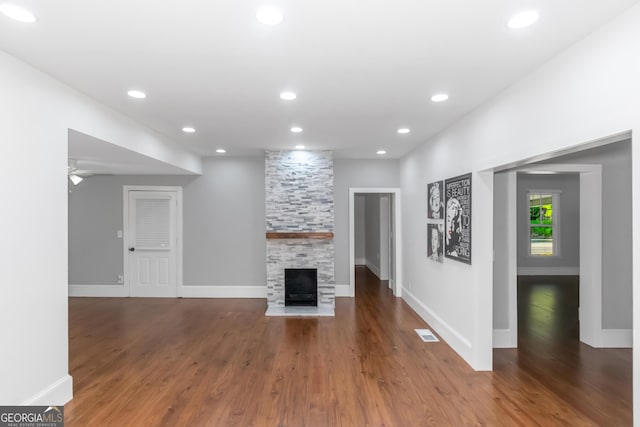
x: 76, y: 175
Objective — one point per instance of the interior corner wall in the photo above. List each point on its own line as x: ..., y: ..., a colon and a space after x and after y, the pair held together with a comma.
x: 37, y: 113
x: 535, y: 117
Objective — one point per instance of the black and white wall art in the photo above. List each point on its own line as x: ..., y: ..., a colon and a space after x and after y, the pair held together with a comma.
x: 457, y: 233
x: 435, y: 206
x: 435, y: 234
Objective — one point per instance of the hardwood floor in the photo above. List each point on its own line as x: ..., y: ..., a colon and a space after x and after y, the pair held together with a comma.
x: 215, y: 362
x: 597, y: 382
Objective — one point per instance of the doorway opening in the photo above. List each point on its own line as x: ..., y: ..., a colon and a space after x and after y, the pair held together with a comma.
x: 562, y: 319
x: 375, y: 236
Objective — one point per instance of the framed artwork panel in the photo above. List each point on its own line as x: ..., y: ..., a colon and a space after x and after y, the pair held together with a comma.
x: 457, y: 231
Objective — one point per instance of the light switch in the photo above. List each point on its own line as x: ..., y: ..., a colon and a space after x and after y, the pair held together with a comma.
x: 119, y: 234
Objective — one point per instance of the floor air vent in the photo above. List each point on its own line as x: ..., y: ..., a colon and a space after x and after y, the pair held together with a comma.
x: 426, y: 335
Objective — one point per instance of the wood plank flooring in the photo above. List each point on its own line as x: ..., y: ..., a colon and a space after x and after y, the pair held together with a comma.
x: 216, y: 362
x: 597, y: 382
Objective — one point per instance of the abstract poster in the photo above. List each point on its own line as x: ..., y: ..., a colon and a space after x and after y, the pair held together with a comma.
x: 457, y: 236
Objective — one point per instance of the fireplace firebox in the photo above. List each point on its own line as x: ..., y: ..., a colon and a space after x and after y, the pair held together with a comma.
x: 301, y: 287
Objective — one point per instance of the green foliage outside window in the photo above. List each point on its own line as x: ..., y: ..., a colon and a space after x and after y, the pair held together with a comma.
x: 541, y: 224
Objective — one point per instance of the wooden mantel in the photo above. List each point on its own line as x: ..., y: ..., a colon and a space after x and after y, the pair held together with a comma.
x: 299, y: 235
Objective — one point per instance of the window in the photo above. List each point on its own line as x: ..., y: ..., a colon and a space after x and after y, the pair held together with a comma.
x: 543, y: 223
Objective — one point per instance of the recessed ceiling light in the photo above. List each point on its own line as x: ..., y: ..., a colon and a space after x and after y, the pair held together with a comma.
x: 137, y: 94
x: 296, y: 129
x: 269, y: 16
x: 288, y: 96
x: 188, y: 129
x: 17, y: 13
x: 440, y: 97
x: 299, y: 147
x: 404, y: 130
x: 381, y: 152
x: 523, y: 19
x: 221, y: 151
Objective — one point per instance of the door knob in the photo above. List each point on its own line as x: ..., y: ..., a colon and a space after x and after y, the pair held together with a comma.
x: 132, y: 249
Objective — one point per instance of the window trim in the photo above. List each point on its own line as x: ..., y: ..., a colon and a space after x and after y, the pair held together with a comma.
x: 555, y: 201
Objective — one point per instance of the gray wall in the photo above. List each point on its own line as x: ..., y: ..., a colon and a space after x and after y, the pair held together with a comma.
x: 224, y: 220
x: 356, y: 173
x: 616, y: 229
x: 569, y: 221
x: 372, y: 231
x: 501, y: 279
x: 616, y: 237
x: 359, y: 232
x: 224, y: 223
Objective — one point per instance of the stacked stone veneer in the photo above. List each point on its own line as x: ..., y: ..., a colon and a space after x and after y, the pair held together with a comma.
x: 299, y: 198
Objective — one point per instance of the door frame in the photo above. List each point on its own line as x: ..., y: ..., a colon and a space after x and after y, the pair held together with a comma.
x: 126, y: 189
x: 590, y: 312
x: 386, y: 229
x: 396, y: 207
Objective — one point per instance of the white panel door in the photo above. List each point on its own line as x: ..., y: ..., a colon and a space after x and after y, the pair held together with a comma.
x: 152, y: 247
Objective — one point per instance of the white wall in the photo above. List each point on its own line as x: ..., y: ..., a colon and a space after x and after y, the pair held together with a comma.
x: 590, y: 91
x: 37, y: 112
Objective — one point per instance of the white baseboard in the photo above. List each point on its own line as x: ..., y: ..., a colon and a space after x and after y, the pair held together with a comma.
x: 56, y: 394
x: 455, y: 340
x: 548, y: 271
x: 617, y: 338
x: 374, y: 269
x: 342, y: 291
x: 208, y: 291
x: 361, y: 261
x: 504, y: 338
x: 187, y: 291
x: 98, y: 291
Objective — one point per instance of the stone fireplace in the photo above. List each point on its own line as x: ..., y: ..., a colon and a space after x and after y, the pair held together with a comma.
x: 299, y: 228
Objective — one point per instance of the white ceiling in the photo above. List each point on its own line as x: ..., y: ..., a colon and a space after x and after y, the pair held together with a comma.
x: 361, y: 68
